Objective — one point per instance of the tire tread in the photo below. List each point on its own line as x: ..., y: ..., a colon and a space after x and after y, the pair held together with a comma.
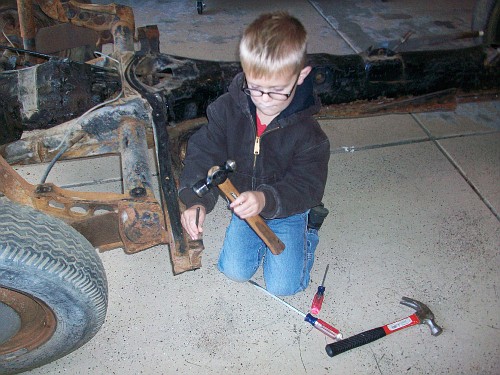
x: 36, y: 243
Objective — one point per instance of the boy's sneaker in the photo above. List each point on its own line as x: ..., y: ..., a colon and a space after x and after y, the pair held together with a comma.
x: 316, y: 217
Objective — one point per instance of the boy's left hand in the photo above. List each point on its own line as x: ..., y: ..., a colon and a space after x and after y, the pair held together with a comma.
x: 248, y: 204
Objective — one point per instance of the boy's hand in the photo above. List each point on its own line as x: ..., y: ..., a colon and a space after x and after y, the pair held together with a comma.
x: 248, y: 204
x: 188, y: 220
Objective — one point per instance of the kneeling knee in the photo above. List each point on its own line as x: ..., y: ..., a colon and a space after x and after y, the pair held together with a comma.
x: 238, y: 275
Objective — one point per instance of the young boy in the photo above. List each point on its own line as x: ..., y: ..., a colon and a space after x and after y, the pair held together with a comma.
x: 265, y: 124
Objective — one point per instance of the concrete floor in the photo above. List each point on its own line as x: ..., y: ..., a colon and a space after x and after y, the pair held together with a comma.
x: 414, y: 202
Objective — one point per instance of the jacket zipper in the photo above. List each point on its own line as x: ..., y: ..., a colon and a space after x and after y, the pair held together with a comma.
x: 256, y: 146
x: 256, y: 150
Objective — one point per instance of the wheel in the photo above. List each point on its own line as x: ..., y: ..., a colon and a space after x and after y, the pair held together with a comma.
x: 200, y: 6
x: 486, y: 18
x: 53, y: 289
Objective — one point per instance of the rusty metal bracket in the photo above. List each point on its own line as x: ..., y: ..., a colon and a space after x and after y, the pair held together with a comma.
x: 107, y: 220
x: 105, y: 19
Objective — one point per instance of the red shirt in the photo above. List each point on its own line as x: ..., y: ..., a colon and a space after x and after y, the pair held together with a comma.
x: 260, y: 127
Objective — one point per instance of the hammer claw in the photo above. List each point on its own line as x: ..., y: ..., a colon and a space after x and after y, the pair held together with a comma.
x: 423, y: 313
x: 414, y: 304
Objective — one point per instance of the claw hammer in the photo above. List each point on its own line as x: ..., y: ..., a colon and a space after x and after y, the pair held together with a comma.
x: 422, y: 315
x: 218, y: 176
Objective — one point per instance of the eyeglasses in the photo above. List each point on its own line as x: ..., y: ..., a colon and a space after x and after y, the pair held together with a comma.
x: 273, y: 95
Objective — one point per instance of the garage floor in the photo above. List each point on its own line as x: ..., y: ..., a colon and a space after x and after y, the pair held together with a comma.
x: 414, y: 202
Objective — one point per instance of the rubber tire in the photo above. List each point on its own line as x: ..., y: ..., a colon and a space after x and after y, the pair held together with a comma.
x: 42, y: 257
x: 486, y: 17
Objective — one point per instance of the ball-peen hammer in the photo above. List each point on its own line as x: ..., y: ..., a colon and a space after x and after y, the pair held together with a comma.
x: 218, y: 176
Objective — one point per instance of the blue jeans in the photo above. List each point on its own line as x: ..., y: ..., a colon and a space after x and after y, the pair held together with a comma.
x: 284, y: 274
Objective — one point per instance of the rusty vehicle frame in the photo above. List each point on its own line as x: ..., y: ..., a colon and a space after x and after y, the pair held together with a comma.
x: 134, y: 220
x: 157, y: 96
x: 135, y: 100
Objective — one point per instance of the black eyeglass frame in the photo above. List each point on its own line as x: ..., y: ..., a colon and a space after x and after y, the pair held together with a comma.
x: 280, y: 95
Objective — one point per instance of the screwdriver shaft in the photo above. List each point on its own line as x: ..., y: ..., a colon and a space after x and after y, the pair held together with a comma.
x: 324, y: 276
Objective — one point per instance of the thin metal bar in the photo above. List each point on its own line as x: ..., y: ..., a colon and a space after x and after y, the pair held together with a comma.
x: 324, y: 277
x: 277, y: 298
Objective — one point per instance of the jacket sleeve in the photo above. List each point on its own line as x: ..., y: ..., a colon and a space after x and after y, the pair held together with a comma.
x: 206, y: 148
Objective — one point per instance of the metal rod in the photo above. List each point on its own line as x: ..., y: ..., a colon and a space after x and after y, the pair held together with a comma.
x: 276, y: 298
x: 34, y: 53
x: 197, y: 216
x: 324, y: 277
x: 26, y: 23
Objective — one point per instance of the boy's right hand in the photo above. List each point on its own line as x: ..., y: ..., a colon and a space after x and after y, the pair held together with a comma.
x: 188, y: 221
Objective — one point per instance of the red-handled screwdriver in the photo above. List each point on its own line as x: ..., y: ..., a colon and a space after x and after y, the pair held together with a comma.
x: 319, y: 296
x: 319, y: 324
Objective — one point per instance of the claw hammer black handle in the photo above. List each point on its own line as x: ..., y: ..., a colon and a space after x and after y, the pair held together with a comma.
x: 369, y: 336
x: 352, y: 342
x: 257, y: 223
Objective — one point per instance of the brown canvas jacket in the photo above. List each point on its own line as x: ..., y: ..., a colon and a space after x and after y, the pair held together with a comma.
x: 292, y: 163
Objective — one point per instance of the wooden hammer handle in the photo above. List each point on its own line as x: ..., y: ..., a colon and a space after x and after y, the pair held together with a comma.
x: 257, y: 223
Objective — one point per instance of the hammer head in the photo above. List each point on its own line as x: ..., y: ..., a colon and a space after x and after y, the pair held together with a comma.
x: 215, y: 176
x: 424, y: 314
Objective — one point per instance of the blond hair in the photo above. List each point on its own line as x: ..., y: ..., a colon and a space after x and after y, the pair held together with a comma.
x: 273, y: 44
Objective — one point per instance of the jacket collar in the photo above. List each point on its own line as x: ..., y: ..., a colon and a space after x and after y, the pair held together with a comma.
x: 304, y: 99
